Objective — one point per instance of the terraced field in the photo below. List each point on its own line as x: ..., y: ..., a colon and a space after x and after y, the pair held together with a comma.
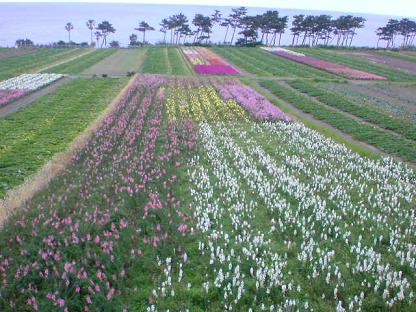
x: 281, y: 188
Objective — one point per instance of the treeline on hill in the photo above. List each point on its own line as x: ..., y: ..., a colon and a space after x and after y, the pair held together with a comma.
x: 266, y: 28
x: 394, y: 28
x: 240, y: 28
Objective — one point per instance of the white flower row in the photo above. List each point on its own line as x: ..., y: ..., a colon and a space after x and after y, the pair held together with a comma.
x: 29, y: 81
x: 278, y: 49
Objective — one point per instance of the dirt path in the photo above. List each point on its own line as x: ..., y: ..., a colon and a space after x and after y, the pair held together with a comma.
x: 119, y: 63
x: 26, y: 100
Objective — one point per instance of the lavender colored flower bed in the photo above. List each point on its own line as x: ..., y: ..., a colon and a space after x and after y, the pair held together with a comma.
x: 7, y: 96
x: 256, y: 104
x: 216, y: 70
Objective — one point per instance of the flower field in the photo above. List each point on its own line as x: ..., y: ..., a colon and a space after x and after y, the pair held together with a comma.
x: 17, y: 87
x: 201, y: 195
x: 207, y: 62
x: 331, y: 67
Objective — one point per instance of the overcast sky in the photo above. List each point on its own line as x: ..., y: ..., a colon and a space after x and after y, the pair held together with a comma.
x: 387, y: 7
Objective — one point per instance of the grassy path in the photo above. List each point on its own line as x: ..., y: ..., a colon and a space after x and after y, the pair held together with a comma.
x: 119, y: 63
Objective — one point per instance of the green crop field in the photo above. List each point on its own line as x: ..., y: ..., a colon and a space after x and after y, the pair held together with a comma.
x: 34, y: 134
x: 358, y: 63
x: 165, y: 61
x: 15, y: 66
x: 264, y: 64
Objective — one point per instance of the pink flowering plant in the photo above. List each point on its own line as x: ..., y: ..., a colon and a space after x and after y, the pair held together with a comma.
x: 76, y: 243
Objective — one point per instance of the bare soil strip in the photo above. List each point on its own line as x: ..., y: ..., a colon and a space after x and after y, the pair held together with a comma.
x: 26, y: 100
x: 20, y: 195
x: 15, y: 52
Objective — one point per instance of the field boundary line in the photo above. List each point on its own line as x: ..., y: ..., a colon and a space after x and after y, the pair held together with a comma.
x: 66, y: 61
x: 18, y: 196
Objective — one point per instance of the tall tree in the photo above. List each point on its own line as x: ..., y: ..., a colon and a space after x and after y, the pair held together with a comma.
x: 297, y: 27
x: 98, y: 36
x: 69, y: 27
x: 164, y: 26
x: 236, y: 18
x: 106, y: 28
x: 143, y: 27
x: 90, y: 25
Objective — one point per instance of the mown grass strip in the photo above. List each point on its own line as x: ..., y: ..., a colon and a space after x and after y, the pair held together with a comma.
x: 177, y: 62
x: 156, y: 61
x: 337, y: 100
x: 78, y: 65
x: 386, y: 141
x: 28, y: 63
x: 358, y: 63
x: 34, y: 134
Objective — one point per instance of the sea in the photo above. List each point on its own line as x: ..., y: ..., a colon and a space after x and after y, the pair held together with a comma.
x: 44, y: 23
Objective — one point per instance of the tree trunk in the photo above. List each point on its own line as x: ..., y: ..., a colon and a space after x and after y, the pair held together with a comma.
x: 164, y: 37
x: 144, y: 37
x: 91, y: 38
x: 69, y: 37
x: 280, y: 38
x: 304, y: 39
x: 226, y: 33
x: 232, y: 38
x: 293, y: 40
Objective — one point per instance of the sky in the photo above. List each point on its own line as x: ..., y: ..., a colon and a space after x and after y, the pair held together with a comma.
x: 385, y: 7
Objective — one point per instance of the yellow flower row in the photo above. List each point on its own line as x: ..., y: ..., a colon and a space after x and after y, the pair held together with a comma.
x: 202, y: 103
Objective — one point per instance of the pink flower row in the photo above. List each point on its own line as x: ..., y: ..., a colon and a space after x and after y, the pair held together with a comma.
x: 215, y: 70
x: 113, y: 205
x: 7, y: 96
x: 334, y: 68
x: 257, y: 105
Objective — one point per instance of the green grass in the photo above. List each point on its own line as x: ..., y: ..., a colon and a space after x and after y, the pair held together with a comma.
x: 358, y: 63
x: 367, y: 113
x: 123, y: 61
x: 264, y: 64
x: 78, y: 65
x: 385, y: 141
x: 34, y: 134
x: 32, y: 62
x: 162, y: 60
